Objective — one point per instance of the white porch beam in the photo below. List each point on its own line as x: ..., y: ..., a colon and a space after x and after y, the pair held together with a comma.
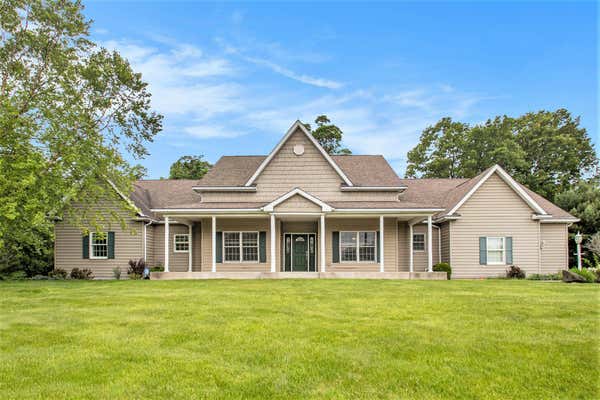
x: 381, y: 252
x: 322, y: 243
x: 429, y: 245
x: 213, y: 234
x: 167, y: 243
x: 273, y: 242
x: 190, y: 242
x: 411, y: 267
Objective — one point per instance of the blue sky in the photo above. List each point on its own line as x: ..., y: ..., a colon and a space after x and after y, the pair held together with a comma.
x: 231, y: 78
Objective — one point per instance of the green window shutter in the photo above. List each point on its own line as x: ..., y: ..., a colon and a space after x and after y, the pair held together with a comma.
x: 111, y: 245
x: 219, y: 246
x: 85, y: 246
x: 377, y: 241
x: 509, y: 250
x: 262, y: 246
x: 482, y: 250
x: 335, y: 244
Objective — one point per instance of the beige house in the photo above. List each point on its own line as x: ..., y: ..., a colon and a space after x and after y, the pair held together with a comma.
x: 300, y: 212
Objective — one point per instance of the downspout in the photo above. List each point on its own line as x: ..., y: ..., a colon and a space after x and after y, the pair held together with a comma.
x: 439, y: 242
x: 146, y: 240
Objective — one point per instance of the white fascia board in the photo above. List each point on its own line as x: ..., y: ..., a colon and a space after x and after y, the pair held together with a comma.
x: 203, y: 210
x: 560, y: 220
x: 373, y: 188
x: 298, y: 125
x: 324, y: 206
x: 224, y: 188
x: 390, y: 210
x: 510, y: 181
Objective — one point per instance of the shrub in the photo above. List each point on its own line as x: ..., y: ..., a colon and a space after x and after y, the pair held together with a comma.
x: 159, y: 267
x: 544, y: 277
x: 58, y: 273
x: 17, y: 276
x: 40, y: 278
x: 82, y: 274
x: 514, y: 272
x: 443, y: 267
x: 585, y: 273
x: 117, y: 273
x: 137, y: 266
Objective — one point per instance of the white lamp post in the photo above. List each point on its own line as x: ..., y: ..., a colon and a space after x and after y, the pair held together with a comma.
x: 578, y: 240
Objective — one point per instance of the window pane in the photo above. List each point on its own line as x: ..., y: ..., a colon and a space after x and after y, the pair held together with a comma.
x: 418, y: 242
x: 495, y: 243
x: 494, y: 256
x: 232, y: 253
x: 250, y: 238
x: 250, y: 253
x: 99, y: 245
x: 348, y: 238
x: 367, y: 238
x: 367, y: 253
x: 348, y: 253
x: 231, y: 238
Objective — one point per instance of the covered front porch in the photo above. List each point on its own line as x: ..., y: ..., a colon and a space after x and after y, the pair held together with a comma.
x: 279, y: 245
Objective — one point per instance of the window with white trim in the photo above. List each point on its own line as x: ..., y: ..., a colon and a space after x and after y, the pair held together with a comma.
x: 496, y: 250
x: 181, y: 243
x: 240, y: 247
x: 419, y: 242
x: 98, y: 245
x: 358, y: 246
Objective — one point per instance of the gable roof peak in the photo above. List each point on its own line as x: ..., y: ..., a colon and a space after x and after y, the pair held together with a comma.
x: 295, y: 126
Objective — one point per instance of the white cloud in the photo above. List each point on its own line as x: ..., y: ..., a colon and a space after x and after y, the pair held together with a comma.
x: 208, y: 131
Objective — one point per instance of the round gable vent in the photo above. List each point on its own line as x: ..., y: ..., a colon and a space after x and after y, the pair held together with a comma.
x: 298, y: 149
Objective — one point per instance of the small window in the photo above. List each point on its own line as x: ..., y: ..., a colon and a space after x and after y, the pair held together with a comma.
x: 358, y: 246
x: 181, y: 243
x: 419, y: 242
x: 496, y: 250
x: 240, y: 246
x: 99, y: 245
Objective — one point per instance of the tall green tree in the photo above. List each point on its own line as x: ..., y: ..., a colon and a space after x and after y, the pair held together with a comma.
x: 547, y: 151
x: 189, y: 167
x: 328, y: 135
x: 69, y: 110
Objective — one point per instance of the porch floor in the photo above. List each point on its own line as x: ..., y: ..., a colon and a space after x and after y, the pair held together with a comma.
x: 298, y: 275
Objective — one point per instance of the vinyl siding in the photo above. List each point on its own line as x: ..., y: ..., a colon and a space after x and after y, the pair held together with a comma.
x: 178, y: 262
x: 445, y: 227
x: 493, y: 210
x: 298, y: 203
x: 362, y: 224
x: 420, y: 257
x: 311, y: 172
x: 235, y: 225
x: 403, y: 246
x: 150, y: 245
x: 554, y: 248
x: 128, y: 243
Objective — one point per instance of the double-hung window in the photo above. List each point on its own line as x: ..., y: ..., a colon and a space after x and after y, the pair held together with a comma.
x: 496, y: 250
x: 181, y: 243
x: 240, y: 246
x: 98, y: 245
x: 358, y: 246
x: 419, y: 242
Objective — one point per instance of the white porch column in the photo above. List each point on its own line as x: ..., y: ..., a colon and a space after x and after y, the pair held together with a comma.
x: 166, y: 244
x: 190, y: 242
x: 381, y: 252
x: 273, y: 243
x: 322, y: 244
x: 429, y: 245
x: 214, y: 243
x: 411, y: 267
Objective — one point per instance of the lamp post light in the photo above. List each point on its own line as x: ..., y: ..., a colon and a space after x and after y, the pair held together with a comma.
x: 578, y: 240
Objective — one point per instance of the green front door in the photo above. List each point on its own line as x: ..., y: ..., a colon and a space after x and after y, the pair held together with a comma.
x: 300, y: 252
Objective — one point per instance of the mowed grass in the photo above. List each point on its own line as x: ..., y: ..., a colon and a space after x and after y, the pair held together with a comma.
x: 299, y: 339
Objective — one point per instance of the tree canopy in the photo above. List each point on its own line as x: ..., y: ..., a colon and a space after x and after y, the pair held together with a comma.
x: 69, y: 111
x: 328, y: 135
x: 547, y: 151
x: 189, y: 167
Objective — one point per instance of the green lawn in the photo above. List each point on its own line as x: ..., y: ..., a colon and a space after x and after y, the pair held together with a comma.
x: 299, y: 339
